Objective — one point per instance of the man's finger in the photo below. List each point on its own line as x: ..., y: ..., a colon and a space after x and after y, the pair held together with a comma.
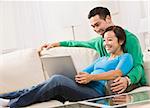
x: 117, y: 79
x: 121, y: 91
x: 49, y: 46
x: 117, y: 86
x: 117, y: 89
x: 116, y: 83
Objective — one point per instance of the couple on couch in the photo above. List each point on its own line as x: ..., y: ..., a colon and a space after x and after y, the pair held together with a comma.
x: 90, y: 83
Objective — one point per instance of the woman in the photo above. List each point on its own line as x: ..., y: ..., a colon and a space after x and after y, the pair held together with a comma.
x: 87, y: 84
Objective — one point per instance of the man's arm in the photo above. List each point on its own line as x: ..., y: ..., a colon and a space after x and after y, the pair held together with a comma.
x: 87, y: 44
x: 133, y: 47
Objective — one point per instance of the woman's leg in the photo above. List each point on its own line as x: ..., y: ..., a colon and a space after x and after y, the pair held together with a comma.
x: 15, y: 94
x: 57, y: 86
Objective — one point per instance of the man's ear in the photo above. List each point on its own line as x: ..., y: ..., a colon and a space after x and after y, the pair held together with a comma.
x: 108, y: 19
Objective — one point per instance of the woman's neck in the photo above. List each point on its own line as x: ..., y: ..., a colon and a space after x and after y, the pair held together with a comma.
x: 117, y: 53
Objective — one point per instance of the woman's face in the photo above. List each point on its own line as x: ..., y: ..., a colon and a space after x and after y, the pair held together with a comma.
x: 111, y: 43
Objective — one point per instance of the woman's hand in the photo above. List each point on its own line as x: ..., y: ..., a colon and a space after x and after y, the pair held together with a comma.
x: 83, y: 78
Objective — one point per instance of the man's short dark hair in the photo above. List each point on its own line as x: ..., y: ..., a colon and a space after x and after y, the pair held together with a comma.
x: 101, y: 11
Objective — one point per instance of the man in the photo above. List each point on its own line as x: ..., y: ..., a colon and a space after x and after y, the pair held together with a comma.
x: 100, y: 19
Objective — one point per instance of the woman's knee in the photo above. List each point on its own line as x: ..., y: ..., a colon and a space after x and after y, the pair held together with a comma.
x: 59, y: 79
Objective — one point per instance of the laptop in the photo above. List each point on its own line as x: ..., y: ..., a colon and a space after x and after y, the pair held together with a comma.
x: 60, y: 65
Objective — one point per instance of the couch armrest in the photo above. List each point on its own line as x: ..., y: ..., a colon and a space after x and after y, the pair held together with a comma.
x: 20, y: 69
x: 147, y: 65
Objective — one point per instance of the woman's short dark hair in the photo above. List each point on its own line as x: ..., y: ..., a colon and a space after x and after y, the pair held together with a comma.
x: 119, y: 33
x: 101, y: 11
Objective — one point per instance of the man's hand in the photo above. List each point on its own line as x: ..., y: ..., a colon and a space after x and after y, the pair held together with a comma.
x: 47, y: 46
x: 119, y: 85
x: 83, y: 78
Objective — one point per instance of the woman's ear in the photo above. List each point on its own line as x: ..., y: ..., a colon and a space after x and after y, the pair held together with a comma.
x: 121, y: 42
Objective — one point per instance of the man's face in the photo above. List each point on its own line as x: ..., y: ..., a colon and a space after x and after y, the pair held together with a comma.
x: 99, y: 25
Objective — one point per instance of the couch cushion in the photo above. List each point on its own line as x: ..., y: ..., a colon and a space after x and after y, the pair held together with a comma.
x: 20, y: 69
x: 140, y: 89
x: 147, y: 65
x: 82, y: 57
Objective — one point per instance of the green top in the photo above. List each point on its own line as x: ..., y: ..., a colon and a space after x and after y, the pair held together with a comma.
x: 136, y: 75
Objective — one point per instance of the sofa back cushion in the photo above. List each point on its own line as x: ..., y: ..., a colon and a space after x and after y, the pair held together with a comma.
x: 20, y: 69
x: 81, y: 57
x: 147, y: 66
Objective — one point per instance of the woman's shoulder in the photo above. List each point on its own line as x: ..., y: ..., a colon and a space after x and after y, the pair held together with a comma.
x: 126, y: 55
x: 103, y: 58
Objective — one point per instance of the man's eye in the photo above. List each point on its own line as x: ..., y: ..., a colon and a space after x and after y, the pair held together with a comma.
x: 96, y: 24
x: 92, y: 26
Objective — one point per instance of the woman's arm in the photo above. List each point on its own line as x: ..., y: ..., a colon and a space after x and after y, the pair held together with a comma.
x: 124, y: 66
x: 84, y: 78
x: 107, y: 75
x: 90, y: 68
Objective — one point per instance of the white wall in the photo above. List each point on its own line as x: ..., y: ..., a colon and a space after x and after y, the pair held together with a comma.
x: 29, y: 23
x: 26, y: 24
x: 135, y: 16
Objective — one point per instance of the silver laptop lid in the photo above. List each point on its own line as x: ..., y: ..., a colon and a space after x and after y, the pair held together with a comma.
x: 62, y: 65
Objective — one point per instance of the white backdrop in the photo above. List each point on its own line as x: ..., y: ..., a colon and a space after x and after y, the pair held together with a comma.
x: 26, y: 24
x: 29, y: 23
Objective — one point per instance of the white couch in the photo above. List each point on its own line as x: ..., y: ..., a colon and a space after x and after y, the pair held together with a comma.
x: 23, y: 68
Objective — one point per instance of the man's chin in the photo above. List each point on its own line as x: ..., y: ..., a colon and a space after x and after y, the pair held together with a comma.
x: 100, y: 33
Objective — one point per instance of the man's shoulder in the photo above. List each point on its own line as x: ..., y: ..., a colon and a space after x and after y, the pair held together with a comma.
x: 130, y: 36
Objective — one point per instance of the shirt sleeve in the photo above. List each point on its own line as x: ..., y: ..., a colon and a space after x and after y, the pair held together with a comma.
x: 137, y: 74
x: 90, y: 68
x: 125, y: 63
x: 86, y: 44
